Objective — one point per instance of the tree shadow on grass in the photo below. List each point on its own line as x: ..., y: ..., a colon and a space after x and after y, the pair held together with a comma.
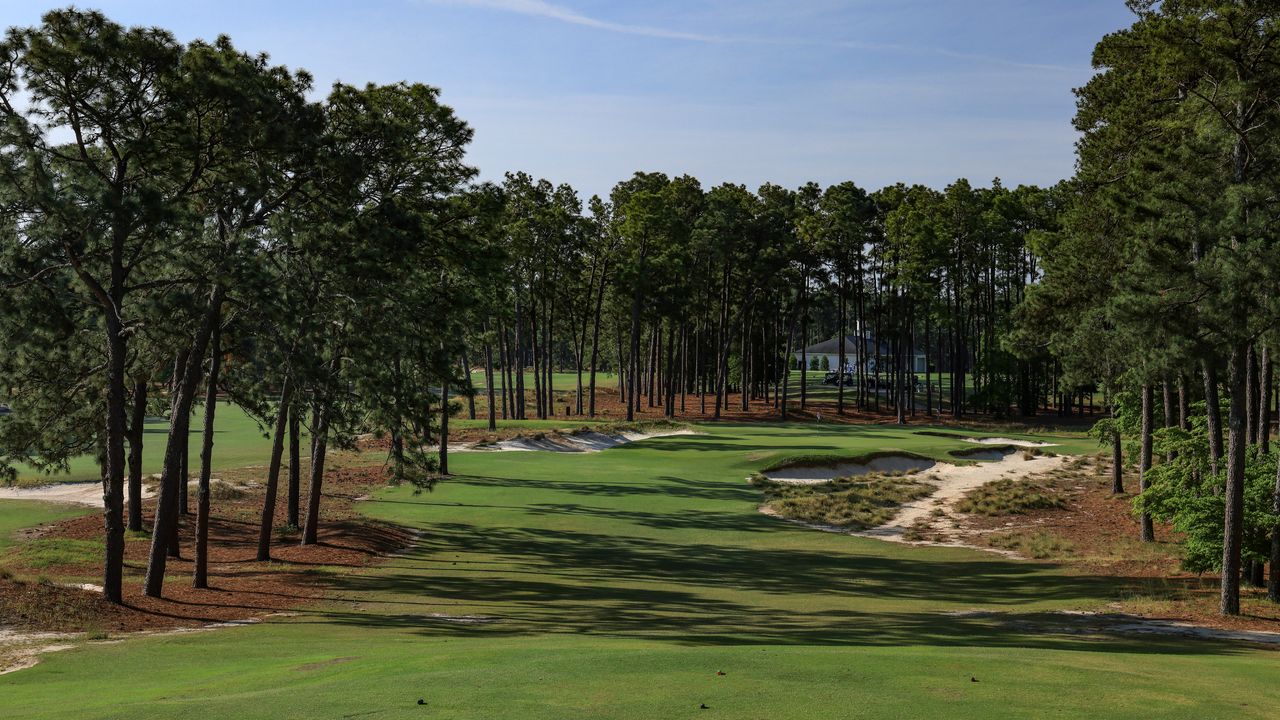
x: 667, y: 486
x: 515, y: 581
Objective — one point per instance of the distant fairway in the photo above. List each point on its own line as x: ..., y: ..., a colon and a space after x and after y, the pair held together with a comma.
x: 238, y: 442
x: 617, y: 585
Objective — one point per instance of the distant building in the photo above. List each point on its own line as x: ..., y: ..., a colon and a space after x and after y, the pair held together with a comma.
x: 830, y: 350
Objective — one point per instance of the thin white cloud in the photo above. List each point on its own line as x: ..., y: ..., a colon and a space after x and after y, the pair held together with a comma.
x: 561, y: 13
x: 540, y: 8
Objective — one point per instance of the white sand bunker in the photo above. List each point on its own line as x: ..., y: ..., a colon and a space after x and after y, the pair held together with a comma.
x: 580, y: 442
x: 815, y: 474
x: 952, y: 482
x: 1008, y: 441
x: 88, y: 493
x: 68, y: 493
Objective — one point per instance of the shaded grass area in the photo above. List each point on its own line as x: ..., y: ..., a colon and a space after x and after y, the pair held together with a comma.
x: 855, y: 503
x: 618, y: 584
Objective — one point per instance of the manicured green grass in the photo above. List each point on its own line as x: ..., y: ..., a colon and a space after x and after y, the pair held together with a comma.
x: 238, y: 442
x: 18, y: 514
x: 617, y: 585
x: 560, y: 381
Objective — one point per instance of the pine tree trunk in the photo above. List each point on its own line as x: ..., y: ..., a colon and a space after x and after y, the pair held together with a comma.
x: 471, y: 391
x: 1273, y: 581
x: 136, y: 438
x: 1144, y: 481
x: 1251, y: 397
x: 273, y: 471
x: 201, y: 578
x: 517, y: 368
x: 788, y: 361
x: 488, y: 381
x: 444, y: 427
x: 1233, y: 524
x: 633, y: 384
x: 1213, y: 415
x: 595, y: 347
x: 113, y: 475
x: 1116, y: 454
x: 166, y: 523
x: 840, y: 335
x: 319, y: 448
x: 295, y: 466
x: 1264, y: 401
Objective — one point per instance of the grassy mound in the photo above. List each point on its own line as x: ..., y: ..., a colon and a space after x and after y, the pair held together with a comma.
x: 867, y: 502
x: 1008, y: 497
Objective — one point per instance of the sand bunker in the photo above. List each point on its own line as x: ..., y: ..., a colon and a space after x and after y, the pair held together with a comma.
x: 581, y: 442
x: 984, y: 455
x: 1008, y: 441
x: 86, y: 493
x: 68, y: 493
x: 952, y: 482
x: 815, y: 474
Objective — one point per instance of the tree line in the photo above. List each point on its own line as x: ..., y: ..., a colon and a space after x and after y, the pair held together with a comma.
x: 1161, y: 286
x: 183, y: 223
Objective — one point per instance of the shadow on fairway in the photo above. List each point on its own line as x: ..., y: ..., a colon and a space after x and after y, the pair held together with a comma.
x: 669, y: 487
x: 535, y: 581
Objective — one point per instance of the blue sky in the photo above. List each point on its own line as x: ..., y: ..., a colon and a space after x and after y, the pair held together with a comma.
x: 748, y: 91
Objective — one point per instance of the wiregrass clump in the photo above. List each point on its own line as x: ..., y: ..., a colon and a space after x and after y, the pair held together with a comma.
x: 1008, y: 497
x: 865, y: 502
x: 1040, y: 545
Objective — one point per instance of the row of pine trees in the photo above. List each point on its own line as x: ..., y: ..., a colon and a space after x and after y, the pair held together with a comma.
x: 182, y: 224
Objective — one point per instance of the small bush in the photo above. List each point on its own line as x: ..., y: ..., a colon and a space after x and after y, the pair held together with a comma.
x: 6, y: 574
x: 1008, y: 497
x: 225, y: 491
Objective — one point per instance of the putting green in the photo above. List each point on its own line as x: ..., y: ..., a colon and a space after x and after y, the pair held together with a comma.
x: 618, y: 584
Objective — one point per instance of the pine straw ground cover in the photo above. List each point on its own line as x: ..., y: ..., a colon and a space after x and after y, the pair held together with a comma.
x: 1069, y: 516
x: 37, y: 585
